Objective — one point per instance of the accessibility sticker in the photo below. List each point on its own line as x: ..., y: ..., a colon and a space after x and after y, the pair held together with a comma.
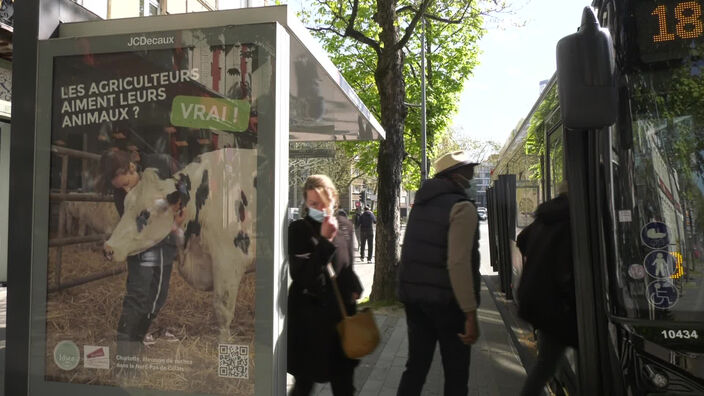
x: 659, y: 264
x: 655, y: 235
x: 662, y: 294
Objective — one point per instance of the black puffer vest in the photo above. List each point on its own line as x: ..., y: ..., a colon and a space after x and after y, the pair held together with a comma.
x: 423, y: 275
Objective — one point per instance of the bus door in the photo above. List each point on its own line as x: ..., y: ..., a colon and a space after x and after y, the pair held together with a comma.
x: 4, y: 195
x: 493, y: 238
x: 503, y: 221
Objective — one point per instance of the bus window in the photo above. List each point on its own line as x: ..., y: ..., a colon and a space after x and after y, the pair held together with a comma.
x: 557, y: 160
x: 661, y: 241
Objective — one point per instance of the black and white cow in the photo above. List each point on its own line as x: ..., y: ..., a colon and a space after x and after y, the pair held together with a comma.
x: 218, y: 192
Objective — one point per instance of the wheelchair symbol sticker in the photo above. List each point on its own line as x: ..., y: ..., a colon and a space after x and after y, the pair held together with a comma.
x: 659, y: 264
x: 654, y: 235
x: 662, y: 294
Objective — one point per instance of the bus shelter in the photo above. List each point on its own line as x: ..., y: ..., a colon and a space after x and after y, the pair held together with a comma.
x: 204, y: 106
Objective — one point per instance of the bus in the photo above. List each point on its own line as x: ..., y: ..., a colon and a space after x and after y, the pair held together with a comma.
x: 623, y: 122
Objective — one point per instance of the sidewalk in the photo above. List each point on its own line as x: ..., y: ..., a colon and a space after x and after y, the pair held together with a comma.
x: 495, y: 368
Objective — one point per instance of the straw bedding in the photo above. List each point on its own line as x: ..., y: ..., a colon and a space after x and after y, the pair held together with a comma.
x: 88, y: 314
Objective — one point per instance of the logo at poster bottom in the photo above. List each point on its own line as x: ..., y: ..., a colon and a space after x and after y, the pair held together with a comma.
x: 97, y: 357
x: 67, y: 355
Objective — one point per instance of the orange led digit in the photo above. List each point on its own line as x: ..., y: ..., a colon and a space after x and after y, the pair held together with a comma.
x: 668, y: 29
x: 661, y: 12
x: 688, y: 26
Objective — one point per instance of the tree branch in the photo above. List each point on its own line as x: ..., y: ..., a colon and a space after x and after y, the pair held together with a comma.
x: 351, y: 32
x: 325, y: 29
x: 404, y: 9
x: 436, y: 17
x: 448, y: 20
x: 412, y: 26
x: 414, y: 160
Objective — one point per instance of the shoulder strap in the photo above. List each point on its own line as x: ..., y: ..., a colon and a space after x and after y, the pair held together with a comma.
x: 333, y: 276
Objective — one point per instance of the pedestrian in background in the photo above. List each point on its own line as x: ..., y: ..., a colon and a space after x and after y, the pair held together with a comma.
x: 546, y: 296
x: 439, y: 277
x: 366, y: 231
x: 357, y: 215
x: 319, y: 243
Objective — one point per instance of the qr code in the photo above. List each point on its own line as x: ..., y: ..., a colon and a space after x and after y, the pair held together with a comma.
x: 234, y: 361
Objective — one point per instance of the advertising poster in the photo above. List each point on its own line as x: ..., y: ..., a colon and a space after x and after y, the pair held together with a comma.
x: 527, y: 200
x: 153, y: 211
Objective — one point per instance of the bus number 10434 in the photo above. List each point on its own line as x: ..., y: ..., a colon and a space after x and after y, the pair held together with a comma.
x: 684, y: 334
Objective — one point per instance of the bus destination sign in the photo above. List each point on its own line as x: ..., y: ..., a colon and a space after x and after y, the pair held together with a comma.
x: 668, y: 28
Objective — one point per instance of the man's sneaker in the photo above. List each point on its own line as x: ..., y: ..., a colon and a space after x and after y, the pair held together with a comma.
x: 369, y: 260
x: 169, y: 336
x: 149, y: 339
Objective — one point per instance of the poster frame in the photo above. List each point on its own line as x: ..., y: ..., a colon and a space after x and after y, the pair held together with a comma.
x: 270, y: 283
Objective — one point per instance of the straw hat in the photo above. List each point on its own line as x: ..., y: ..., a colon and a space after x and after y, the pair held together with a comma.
x: 452, y: 161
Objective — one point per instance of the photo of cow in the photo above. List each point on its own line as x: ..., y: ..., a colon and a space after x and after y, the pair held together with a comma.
x: 154, y: 280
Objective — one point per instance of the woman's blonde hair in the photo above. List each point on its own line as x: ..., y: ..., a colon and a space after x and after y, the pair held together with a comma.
x: 325, y: 188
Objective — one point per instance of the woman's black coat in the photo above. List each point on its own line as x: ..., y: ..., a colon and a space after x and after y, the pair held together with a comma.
x: 314, y: 350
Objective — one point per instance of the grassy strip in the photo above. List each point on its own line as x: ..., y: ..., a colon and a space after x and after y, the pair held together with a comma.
x: 365, y: 303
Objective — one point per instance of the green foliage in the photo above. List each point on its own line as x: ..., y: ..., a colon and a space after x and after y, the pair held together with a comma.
x: 339, y: 166
x: 669, y: 105
x: 451, y: 140
x: 534, y: 144
x: 451, y: 55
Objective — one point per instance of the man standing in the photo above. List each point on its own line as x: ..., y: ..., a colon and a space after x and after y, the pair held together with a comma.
x: 439, y: 277
x: 357, y: 215
x: 366, y: 230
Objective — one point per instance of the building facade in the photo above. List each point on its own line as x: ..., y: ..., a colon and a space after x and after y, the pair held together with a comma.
x: 482, y: 179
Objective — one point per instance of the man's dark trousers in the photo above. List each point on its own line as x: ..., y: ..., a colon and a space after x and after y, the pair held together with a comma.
x: 428, y: 324
x: 367, y: 236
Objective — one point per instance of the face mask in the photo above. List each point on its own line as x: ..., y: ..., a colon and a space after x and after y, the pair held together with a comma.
x: 315, y: 214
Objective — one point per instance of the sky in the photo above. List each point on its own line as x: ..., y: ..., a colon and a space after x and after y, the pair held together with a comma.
x: 506, y: 83
x: 518, y: 51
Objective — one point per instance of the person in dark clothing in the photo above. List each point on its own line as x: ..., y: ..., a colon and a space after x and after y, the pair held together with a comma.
x: 546, y: 295
x: 318, y: 239
x: 149, y: 272
x: 439, y: 277
x: 366, y: 231
x: 357, y: 215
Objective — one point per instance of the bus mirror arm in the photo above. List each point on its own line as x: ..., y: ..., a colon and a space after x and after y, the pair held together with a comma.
x: 586, y: 76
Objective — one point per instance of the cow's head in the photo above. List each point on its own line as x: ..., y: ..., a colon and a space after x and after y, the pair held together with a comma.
x: 149, y: 215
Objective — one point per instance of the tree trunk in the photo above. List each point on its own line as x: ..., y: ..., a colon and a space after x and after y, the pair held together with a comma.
x: 392, y: 91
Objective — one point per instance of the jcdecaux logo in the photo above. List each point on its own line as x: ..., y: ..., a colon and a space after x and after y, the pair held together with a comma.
x: 139, y: 41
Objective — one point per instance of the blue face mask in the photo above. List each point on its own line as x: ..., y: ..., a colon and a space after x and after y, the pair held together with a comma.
x: 315, y: 214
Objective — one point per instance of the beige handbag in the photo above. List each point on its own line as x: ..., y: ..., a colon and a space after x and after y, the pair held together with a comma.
x: 359, y: 335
